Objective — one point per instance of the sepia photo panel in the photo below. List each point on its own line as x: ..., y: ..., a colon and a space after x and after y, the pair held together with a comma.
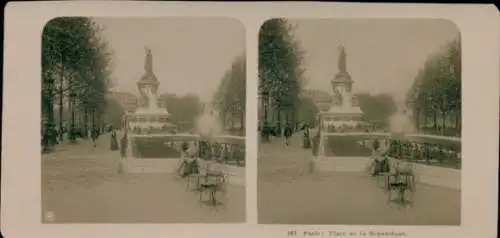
x: 143, y: 120
x: 359, y: 122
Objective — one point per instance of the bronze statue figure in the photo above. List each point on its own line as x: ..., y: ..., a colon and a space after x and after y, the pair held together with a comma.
x: 342, y: 64
x: 148, y: 65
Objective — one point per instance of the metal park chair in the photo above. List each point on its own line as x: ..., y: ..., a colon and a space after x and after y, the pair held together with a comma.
x: 403, y: 182
x: 386, y: 169
x: 193, y: 173
x: 212, y: 184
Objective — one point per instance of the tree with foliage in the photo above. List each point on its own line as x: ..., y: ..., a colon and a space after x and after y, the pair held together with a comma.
x: 75, y: 70
x: 280, y: 67
x: 114, y: 113
x: 230, y: 97
x: 184, y: 110
x: 377, y: 108
x: 436, y: 92
x: 307, y: 111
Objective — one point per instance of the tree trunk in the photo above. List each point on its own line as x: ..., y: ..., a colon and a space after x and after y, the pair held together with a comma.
x: 287, y: 117
x: 458, y: 121
x: 231, y: 120
x: 92, y: 118
x: 279, y: 123
x: 417, y: 119
x: 47, y: 141
x: 98, y: 121
x: 224, y: 119
x: 426, y: 113
x: 279, y: 115
x: 61, y: 97
x: 242, y: 119
x: 73, y: 126
x: 443, y: 124
x: 434, y: 118
x: 266, y: 109
x: 72, y: 100
x: 85, y: 123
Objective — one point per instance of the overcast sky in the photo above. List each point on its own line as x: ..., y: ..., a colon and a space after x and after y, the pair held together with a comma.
x: 383, y: 55
x: 190, y: 55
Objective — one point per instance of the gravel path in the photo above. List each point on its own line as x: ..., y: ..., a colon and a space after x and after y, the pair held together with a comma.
x: 81, y: 184
x: 288, y: 194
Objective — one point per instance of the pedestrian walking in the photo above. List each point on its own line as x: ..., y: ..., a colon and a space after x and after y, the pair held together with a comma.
x: 94, y: 135
x: 114, y: 141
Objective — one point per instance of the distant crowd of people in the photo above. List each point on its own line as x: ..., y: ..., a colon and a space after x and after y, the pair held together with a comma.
x: 52, y: 136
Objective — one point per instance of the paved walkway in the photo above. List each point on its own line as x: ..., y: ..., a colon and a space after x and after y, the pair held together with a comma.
x: 81, y: 184
x: 288, y: 194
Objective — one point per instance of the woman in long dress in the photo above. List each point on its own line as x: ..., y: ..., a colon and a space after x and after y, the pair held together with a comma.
x: 124, y: 145
x: 307, y: 141
x: 114, y: 141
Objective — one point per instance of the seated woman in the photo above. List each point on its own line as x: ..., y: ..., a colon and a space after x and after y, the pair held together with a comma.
x: 380, y: 163
x: 187, y: 161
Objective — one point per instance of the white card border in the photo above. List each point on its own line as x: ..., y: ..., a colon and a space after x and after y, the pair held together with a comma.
x: 20, y: 155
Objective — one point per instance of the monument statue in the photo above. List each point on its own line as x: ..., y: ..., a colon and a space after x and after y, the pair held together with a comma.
x: 151, y: 99
x: 148, y: 65
x: 342, y: 64
x: 345, y: 97
x: 337, y: 97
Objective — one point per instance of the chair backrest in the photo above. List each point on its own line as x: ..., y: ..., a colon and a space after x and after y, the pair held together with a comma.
x: 221, y: 178
x: 385, y: 165
x: 404, y: 168
x: 194, y: 166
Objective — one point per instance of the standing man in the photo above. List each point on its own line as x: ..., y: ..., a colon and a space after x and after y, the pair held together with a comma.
x: 265, y: 132
x: 94, y: 135
x: 287, y: 133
